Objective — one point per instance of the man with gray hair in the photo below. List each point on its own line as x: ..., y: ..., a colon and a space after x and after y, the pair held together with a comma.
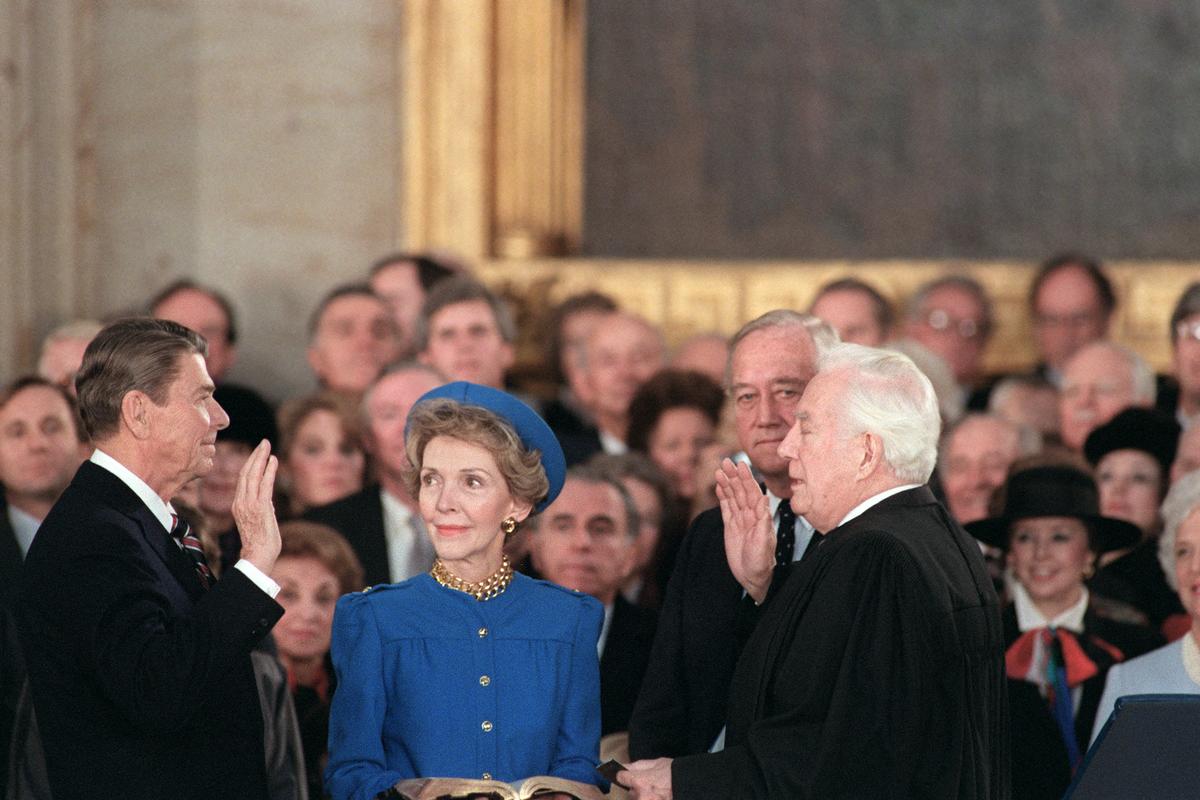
x: 877, y: 666
x: 587, y: 540
x: 1182, y: 396
x: 951, y: 316
x: 139, y: 660
x: 684, y: 700
x: 1099, y: 381
x: 974, y: 458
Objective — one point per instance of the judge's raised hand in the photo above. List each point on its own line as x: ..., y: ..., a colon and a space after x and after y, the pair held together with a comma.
x: 749, y: 535
x: 254, y: 510
x: 648, y: 780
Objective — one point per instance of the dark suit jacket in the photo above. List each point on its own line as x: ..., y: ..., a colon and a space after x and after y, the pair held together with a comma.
x: 142, y: 680
x: 12, y: 664
x: 681, y: 707
x: 623, y: 663
x: 359, y: 518
x: 577, y: 436
x: 876, y: 670
x: 10, y: 557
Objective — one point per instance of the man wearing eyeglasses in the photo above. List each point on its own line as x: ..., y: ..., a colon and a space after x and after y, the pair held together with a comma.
x: 952, y: 317
x: 1071, y: 302
x: 1183, y: 398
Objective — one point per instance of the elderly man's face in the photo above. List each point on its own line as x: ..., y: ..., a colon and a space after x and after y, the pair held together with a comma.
x: 951, y: 325
x: 465, y: 344
x: 196, y: 310
x: 388, y: 405
x: 60, y: 361
x: 39, y: 444
x: 770, y: 369
x: 355, y: 339
x: 1097, y: 385
x: 1187, y: 564
x: 184, y: 428
x: 1067, y: 314
x: 582, y: 542
x: 1186, y: 357
x: 622, y: 353
x: 1187, y: 457
x: 822, y: 458
x: 852, y: 314
x: 977, y: 455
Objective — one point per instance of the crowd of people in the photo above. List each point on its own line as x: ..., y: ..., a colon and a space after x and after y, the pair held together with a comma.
x: 466, y: 576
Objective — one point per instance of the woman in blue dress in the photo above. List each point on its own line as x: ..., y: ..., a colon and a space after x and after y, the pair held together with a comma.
x: 470, y: 670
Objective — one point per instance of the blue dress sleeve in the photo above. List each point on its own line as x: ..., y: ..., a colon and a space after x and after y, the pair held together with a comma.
x: 357, y: 768
x: 577, y: 749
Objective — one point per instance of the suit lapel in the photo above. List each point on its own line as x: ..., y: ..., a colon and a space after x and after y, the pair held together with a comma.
x: 113, y: 492
x: 10, y: 555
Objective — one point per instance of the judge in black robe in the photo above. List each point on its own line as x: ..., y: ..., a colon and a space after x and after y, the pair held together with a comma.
x: 876, y: 668
x: 875, y: 671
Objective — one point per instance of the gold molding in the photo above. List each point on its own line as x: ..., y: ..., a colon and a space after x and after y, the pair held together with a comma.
x: 688, y: 297
x: 493, y: 126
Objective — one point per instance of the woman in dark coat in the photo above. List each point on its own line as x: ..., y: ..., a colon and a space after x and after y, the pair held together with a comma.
x: 1059, y: 643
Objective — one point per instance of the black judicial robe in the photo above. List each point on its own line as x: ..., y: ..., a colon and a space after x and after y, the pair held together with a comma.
x: 876, y: 670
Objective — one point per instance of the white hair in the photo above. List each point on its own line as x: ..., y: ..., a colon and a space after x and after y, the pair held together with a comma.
x: 1141, y: 376
x: 821, y: 333
x: 951, y: 399
x: 1182, y: 500
x: 887, y: 395
x: 1028, y: 441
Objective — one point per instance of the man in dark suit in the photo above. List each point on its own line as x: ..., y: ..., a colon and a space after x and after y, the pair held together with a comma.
x: 139, y: 662
x: 684, y: 698
x: 877, y: 666
x: 620, y: 353
x: 585, y: 541
x: 381, y: 522
x: 40, y: 449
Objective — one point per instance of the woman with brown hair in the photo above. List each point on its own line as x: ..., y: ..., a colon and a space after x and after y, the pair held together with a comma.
x: 315, y: 567
x: 321, y: 452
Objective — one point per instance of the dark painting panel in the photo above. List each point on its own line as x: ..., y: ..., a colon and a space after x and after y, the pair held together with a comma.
x: 892, y: 128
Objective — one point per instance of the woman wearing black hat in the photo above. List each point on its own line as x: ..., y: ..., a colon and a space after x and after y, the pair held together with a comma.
x: 1132, y: 455
x: 1059, y: 647
x: 470, y: 670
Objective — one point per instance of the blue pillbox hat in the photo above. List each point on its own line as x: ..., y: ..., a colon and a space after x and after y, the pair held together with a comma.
x: 531, y: 429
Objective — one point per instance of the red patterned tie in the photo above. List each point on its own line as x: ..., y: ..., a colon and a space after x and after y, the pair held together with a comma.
x: 181, y: 533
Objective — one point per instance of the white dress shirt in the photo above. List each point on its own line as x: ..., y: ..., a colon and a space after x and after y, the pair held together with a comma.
x: 24, y: 527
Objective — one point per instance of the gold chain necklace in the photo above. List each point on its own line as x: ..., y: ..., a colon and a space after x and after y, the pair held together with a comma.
x: 486, y: 589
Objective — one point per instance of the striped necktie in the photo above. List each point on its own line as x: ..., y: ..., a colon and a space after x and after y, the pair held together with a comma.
x: 181, y: 533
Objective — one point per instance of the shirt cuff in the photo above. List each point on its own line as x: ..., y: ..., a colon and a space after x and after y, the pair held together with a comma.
x: 259, y: 577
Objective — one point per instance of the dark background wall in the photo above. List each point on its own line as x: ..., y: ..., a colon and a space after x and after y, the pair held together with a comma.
x: 893, y: 128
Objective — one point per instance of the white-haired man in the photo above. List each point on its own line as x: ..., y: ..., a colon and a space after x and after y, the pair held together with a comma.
x: 876, y: 668
x: 1099, y: 381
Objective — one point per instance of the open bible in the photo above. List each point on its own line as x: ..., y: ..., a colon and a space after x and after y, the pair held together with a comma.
x: 467, y: 789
